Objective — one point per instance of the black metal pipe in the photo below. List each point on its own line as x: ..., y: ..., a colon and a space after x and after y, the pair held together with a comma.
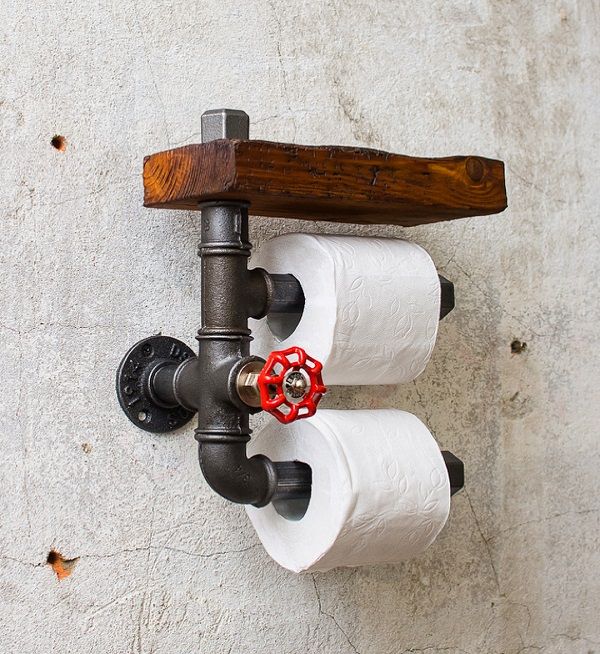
x: 286, y: 295
x: 273, y: 294
x: 456, y: 471
x: 230, y: 294
x: 446, y: 296
x: 228, y: 470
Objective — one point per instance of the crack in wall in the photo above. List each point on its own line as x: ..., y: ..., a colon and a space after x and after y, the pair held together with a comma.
x: 485, y: 542
x: 331, y: 616
x: 151, y: 70
x: 536, y: 521
x: 134, y: 550
x: 282, y: 68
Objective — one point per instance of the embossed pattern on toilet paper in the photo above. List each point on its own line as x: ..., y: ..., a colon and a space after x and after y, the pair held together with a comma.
x: 380, y: 490
x: 372, y: 305
x: 411, y: 488
x: 375, y: 305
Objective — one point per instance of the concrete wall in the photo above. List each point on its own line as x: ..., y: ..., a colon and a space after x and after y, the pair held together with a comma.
x: 162, y: 564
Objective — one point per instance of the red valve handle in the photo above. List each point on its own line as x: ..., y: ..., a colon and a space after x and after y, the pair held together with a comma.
x: 290, y: 385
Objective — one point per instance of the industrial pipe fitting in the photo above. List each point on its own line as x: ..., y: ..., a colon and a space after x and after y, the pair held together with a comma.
x: 161, y: 383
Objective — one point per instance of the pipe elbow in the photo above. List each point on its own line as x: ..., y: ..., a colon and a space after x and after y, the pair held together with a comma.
x: 234, y: 476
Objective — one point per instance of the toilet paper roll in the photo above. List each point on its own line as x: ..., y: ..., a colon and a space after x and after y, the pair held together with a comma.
x: 372, y: 305
x: 380, y: 489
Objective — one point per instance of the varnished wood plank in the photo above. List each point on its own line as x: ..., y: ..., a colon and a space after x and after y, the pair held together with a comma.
x: 340, y: 184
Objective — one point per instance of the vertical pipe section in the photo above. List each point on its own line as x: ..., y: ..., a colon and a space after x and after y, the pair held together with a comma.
x: 224, y: 338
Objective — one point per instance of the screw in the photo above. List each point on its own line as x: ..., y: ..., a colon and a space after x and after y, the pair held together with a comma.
x: 224, y: 124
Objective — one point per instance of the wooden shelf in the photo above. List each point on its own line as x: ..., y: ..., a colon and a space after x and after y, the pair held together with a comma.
x: 340, y: 184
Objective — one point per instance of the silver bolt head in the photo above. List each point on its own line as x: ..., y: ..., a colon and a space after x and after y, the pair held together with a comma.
x: 295, y: 385
x: 224, y: 124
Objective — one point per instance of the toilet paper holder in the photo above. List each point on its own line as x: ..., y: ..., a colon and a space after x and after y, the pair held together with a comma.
x: 161, y: 383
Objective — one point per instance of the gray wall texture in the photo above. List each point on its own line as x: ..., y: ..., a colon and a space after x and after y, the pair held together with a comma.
x: 163, y: 565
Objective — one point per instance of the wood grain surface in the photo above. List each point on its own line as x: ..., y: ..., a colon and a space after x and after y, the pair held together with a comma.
x: 340, y: 184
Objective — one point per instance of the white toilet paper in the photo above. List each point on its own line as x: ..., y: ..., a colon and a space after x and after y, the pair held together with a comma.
x: 380, y: 489
x: 372, y: 305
